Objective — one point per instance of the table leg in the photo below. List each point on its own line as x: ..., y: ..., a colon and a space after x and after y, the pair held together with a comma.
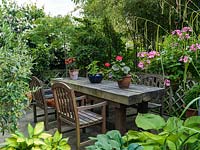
x: 120, y: 118
x: 143, y: 107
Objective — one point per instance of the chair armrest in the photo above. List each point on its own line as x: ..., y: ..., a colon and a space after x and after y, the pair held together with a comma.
x: 102, y: 104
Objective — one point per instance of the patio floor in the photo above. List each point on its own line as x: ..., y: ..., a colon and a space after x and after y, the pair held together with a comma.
x: 92, y: 131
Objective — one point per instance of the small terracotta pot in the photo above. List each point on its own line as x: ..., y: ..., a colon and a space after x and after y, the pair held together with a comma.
x: 125, y: 82
x: 73, y: 74
x: 191, y: 112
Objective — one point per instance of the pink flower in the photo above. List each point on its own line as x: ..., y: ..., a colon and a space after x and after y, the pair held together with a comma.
x: 184, y: 59
x: 167, y: 82
x: 197, y: 46
x: 141, y: 65
x: 187, y: 36
x: 119, y: 58
x: 142, y: 54
x: 186, y: 29
x: 107, y: 64
x: 152, y: 54
x: 193, y: 47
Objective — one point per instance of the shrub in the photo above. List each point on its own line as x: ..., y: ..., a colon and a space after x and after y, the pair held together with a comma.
x: 37, y: 139
x: 15, y: 65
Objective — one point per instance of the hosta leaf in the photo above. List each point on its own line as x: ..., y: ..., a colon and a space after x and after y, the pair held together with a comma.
x: 21, y: 139
x: 44, y: 135
x: 30, y: 130
x: 193, y: 121
x: 39, y: 127
x: 57, y: 137
x: 29, y: 141
x: 173, y: 123
x: 38, y: 142
x: 150, y: 121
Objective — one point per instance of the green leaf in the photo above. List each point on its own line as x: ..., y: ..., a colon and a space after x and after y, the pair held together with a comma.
x: 134, y: 135
x: 193, y: 121
x: 21, y: 139
x: 44, y: 135
x: 135, y: 146
x: 149, y: 121
x: 173, y: 123
x: 29, y: 141
x: 57, y: 136
x: 39, y: 127
x: 30, y: 130
x: 156, y: 138
x: 38, y: 142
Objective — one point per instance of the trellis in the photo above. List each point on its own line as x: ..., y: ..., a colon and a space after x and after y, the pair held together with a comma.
x: 174, y: 98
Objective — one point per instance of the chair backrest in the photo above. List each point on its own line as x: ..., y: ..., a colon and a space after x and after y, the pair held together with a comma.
x: 151, y: 80
x: 37, y: 91
x: 65, y: 102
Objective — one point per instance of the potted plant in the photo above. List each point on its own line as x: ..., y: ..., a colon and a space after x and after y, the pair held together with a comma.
x: 191, y: 94
x: 71, y: 66
x: 94, y: 74
x: 120, y: 72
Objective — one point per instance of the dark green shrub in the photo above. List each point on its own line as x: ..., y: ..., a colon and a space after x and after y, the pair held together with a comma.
x: 191, y: 94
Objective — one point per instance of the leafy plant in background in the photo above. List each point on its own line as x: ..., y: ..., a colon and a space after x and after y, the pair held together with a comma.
x: 15, y: 66
x: 49, y: 43
x: 173, y: 134
x: 180, y: 55
x: 37, y: 139
x: 191, y: 94
x: 90, y: 42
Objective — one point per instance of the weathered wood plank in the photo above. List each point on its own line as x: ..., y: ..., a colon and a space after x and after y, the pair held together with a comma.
x: 109, y: 90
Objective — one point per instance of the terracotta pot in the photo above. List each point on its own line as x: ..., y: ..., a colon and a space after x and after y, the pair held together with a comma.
x: 125, y: 82
x: 191, y: 112
x: 73, y: 74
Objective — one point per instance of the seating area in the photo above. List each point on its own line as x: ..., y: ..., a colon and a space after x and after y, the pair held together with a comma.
x: 111, y: 75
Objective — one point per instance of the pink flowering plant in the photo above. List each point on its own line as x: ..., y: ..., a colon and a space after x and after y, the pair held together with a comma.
x: 117, y: 69
x: 178, y: 57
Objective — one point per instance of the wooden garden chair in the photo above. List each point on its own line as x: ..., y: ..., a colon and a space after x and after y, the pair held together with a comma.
x: 79, y: 117
x: 42, y: 98
x: 155, y: 81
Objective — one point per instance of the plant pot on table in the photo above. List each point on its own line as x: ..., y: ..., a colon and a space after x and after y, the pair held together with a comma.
x: 73, y: 74
x: 124, y: 82
x: 95, y: 78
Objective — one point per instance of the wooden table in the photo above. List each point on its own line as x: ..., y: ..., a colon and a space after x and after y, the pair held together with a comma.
x: 119, y: 98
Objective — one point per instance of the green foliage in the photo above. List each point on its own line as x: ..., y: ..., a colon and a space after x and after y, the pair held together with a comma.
x: 175, y: 134
x: 111, y: 140
x: 37, y: 140
x: 15, y: 65
x: 191, y: 94
x: 90, y: 42
x: 49, y: 42
x: 93, y: 68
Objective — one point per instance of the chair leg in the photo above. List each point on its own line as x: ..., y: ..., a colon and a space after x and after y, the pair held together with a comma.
x: 78, y: 139
x: 103, y: 128
x: 34, y: 113
x: 59, y: 124
x: 46, y: 119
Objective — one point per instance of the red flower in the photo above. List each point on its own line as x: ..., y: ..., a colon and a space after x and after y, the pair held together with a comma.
x: 119, y: 58
x: 70, y: 60
x: 107, y: 64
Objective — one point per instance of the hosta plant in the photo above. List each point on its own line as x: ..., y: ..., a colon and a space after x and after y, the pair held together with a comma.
x: 37, y: 140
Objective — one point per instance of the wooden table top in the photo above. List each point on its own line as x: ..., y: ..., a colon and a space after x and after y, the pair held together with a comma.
x: 109, y: 90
